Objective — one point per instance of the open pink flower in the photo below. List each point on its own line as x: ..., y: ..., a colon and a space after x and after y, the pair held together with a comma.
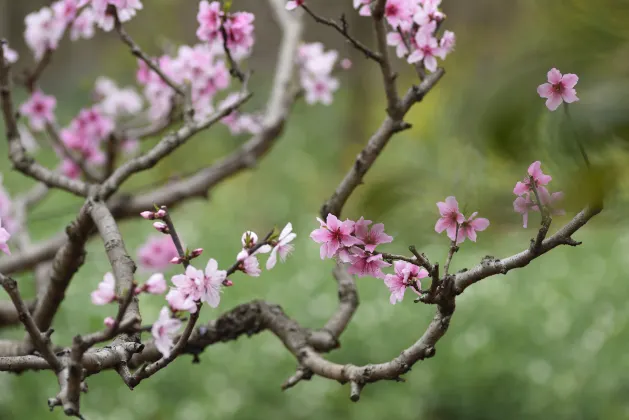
x: 450, y: 217
x: 333, y: 235
x: 373, y: 236
x: 469, y: 227
x: 282, y: 247
x: 396, y: 40
x: 399, y: 12
x: 164, y: 330
x: 524, y: 205
x: 106, y: 291
x: 212, y: 281
x: 4, y: 237
x: 249, y: 264
x: 539, y: 179
x: 156, y: 284
x: 406, y: 274
x: 39, y: 109
x: 293, y: 4
x: 157, y: 252
x: 558, y: 89
x: 365, y: 264
x: 427, y: 50
x: 180, y: 302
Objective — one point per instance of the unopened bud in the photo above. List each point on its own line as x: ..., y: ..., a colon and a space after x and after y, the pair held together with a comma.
x: 161, y: 226
x: 161, y: 213
x: 177, y: 260
x: 228, y: 283
x: 148, y: 215
x: 109, y: 322
x: 196, y: 252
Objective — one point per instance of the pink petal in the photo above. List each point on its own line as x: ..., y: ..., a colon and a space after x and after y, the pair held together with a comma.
x: 451, y: 231
x: 479, y: 224
x: 443, y: 224
x: 569, y: 95
x: 520, y: 188
x: 270, y: 263
x: 452, y: 203
x: 545, y: 90
x: 443, y: 208
x: 554, y: 101
x: 333, y: 222
x: 471, y: 233
x: 525, y: 219
x: 569, y: 80
x: 554, y: 76
x: 321, y: 235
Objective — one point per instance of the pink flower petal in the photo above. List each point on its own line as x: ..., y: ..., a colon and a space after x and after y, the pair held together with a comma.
x: 554, y: 76
x: 569, y: 80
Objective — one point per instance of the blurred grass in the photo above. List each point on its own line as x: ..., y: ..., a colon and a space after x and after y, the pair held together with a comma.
x: 546, y: 341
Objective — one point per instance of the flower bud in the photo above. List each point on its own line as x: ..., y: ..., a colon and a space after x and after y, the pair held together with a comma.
x: 160, y: 214
x: 109, y: 322
x: 228, y: 283
x: 161, y: 226
x: 177, y: 260
x: 196, y: 252
x: 148, y: 215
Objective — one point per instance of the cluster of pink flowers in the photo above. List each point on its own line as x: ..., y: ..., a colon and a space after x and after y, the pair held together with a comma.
x: 559, y: 89
x: 455, y: 224
x: 527, y: 202
x: 45, y: 27
x: 237, y: 26
x: 39, y: 109
x: 316, y: 67
x: 85, y: 134
x: 353, y: 242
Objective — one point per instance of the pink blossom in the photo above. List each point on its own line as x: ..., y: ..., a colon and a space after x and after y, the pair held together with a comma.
x: 209, y: 18
x: 450, y: 217
x: 196, y: 252
x: 333, y: 235
x: 65, y: 10
x: 39, y: 109
x: 524, y: 205
x: 447, y: 42
x: 249, y: 239
x: 363, y: 6
x: 164, y: 330
x: 428, y: 12
x: 179, y: 302
x: 371, y: 237
x: 10, y: 55
x: 539, y: 179
x: 83, y: 25
x: 126, y: 10
x: 148, y: 215
x: 249, y: 264
x: 157, y: 252
x: 109, y: 322
x: 190, y: 287
x: 43, y: 31
x: 212, y: 282
x: 469, y: 227
x: 427, y: 50
x: 319, y: 89
x: 406, y: 275
x: 156, y: 284
x: 316, y: 68
x: 366, y: 264
x: 398, y: 12
x: 4, y: 237
x: 105, y: 293
x: 396, y: 40
x: 293, y: 4
x: 115, y: 102
x: 346, y: 64
x: 558, y: 89
x: 282, y: 246
x: 550, y: 201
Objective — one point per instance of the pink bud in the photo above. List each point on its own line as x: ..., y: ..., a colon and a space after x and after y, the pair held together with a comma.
x: 160, y: 213
x: 177, y: 260
x: 109, y: 322
x: 161, y: 226
x: 196, y: 252
x: 346, y: 64
x: 228, y: 283
x: 148, y: 215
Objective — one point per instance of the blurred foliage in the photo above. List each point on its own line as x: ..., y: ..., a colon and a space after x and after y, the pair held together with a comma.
x: 547, y: 341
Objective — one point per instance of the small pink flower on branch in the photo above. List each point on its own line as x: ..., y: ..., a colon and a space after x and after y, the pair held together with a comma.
x: 196, y: 252
x: 156, y: 284
x: 157, y: 253
x: 450, y: 217
x: 105, y: 293
x: 164, y: 330
x: 148, y: 215
x: 524, y: 205
x: 282, y: 246
x: 560, y: 88
x: 469, y: 227
x: 371, y: 237
x: 248, y: 264
x: 39, y: 109
x: 334, y: 235
x: 365, y: 264
x: 406, y: 275
x: 539, y: 179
